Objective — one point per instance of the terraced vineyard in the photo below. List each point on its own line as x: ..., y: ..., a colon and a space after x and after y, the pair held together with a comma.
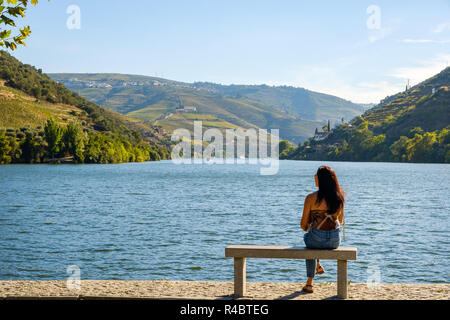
x: 411, y: 126
x: 296, y: 112
x: 30, y: 102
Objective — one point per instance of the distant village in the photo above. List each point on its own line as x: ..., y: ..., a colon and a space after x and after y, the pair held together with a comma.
x: 126, y: 83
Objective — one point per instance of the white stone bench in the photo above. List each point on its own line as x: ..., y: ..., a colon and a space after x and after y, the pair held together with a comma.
x: 241, y: 252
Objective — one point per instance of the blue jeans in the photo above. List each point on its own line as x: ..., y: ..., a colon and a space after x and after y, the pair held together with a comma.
x: 320, y: 239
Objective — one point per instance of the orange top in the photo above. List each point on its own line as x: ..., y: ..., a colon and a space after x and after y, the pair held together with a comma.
x: 315, y: 215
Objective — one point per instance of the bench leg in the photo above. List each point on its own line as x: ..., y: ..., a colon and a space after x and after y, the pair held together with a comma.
x: 239, y: 277
x: 342, y: 279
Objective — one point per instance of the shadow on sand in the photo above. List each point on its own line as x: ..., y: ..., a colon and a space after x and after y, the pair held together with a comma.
x: 291, y: 296
x: 301, y: 293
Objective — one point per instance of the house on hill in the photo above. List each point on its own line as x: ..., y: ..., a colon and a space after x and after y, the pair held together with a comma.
x: 186, y: 109
x: 318, y: 136
x: 321, y: 135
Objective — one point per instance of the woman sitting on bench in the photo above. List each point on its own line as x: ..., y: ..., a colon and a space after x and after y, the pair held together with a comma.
x: 323, y: 213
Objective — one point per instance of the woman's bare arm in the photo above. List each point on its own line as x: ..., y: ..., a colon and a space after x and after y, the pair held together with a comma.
x: 306, y: 210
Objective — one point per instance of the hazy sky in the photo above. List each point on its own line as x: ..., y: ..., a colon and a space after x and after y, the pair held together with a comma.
x: 359, y: 50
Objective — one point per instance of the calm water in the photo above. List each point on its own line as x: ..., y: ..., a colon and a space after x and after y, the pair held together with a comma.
x: 162, y: 221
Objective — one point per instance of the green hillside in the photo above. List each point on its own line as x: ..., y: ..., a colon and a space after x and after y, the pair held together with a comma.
x: 298, y: 102
x: 296, y: 112
x: 29, y: 99
x: 411, y: 126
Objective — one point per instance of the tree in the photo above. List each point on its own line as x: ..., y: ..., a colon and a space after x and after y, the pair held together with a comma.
x: 421, y: 147
x: 398, y: 148
x: 53, y: 134
x: 10, y: 10
x: 444, y: 136
x: 27, y: 148
x: 93, y: 149
x: 415, y: 130
x: 326, y: 127
x: 73, y: 141
x: 360, y: 142
x: 36, y: 92
x: 5, y: 149
x: 32, y: 148
x: 284, y: 148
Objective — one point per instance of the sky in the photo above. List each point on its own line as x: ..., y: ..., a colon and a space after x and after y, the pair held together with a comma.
x: 359, y: 50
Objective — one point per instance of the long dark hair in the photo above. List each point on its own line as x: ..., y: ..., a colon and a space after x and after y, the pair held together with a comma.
x: 329, y: 189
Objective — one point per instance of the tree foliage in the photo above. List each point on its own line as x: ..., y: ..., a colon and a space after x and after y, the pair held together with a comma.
x: 363, y: 145
x: 10, y: 11
x: 72, y: 143
x: 53, y: 134
x: 33, y: 82
x: 59, y: 139
x: 410, y: 126
x: 108, y: 139
x: 284, y: 149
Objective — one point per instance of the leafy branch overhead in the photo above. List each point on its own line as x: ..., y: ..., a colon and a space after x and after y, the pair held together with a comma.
x: 10, y: 12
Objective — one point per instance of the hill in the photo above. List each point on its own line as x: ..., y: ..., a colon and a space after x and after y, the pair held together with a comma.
x: 29, y: 99
x: 296, y: 112
x: 299, y: 102
x: 411, y: 126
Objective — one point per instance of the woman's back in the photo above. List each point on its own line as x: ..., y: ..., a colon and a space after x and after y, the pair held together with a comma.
x: 323, y: 212
x: 318, y: 215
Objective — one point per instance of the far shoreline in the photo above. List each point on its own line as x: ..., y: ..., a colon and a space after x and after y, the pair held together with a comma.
x: 169, y: 160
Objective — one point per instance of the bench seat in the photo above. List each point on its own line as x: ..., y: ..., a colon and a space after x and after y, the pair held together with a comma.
x: 241, y: 252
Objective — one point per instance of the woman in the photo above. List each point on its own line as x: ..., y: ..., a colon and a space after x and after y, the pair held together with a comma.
x: 323, y: 213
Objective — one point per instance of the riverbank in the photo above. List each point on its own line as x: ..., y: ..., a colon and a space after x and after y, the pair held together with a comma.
x: 163, y: 289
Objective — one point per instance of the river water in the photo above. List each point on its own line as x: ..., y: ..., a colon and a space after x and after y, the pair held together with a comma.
x: 158, y: 220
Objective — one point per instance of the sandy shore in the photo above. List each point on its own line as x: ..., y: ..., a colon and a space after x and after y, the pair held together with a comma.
x: 163, y: 289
